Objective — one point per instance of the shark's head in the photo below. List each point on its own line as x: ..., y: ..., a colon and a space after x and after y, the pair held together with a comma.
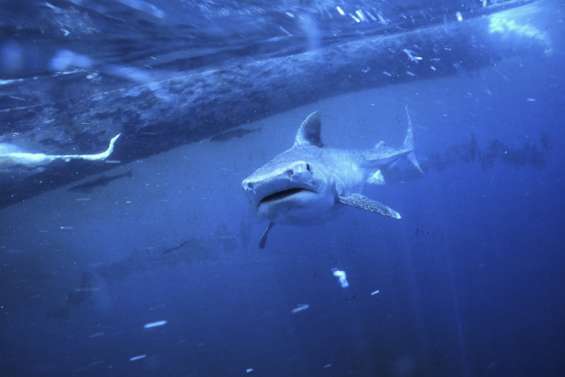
x: 294, y: 186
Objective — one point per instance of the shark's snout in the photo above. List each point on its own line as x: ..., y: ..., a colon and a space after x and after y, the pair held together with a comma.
x: 247, y: 185
x: 287, y: 179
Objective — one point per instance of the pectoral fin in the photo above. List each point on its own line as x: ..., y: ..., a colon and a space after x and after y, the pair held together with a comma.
x: 263, y: 239
x: 362, y: 202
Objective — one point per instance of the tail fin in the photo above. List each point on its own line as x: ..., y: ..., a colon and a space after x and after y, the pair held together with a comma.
x: 409, y: 143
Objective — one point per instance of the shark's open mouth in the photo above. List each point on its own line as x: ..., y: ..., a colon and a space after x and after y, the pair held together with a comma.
x: 283, y: 194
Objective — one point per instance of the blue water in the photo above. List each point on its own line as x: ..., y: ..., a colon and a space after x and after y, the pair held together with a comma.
x: 468, y: 283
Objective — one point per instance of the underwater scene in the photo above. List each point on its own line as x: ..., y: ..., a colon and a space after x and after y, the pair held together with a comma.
x: 279, y: 188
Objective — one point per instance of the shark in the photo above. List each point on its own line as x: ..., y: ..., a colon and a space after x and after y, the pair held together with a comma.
x: 309, y: 182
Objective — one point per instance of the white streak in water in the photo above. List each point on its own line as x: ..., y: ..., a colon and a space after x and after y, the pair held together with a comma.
x: 151, y: 325
x: 300, y: 308
x: 137, y: 357
x: 145, y: 7
x: 360, y: 15
x: 412, y: 55
x: 11, y: 156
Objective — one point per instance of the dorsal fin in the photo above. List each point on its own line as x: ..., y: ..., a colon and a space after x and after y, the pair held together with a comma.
x: 309, y: 132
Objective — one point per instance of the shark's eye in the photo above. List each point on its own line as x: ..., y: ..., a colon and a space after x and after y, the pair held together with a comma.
x: 308, y: 167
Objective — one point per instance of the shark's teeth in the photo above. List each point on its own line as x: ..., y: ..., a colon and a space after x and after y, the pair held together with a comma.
x: 283, y: 194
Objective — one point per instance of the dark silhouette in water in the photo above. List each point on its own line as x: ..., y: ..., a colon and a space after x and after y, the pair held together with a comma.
x: 153, y: 259
x: 232, y: 134
x: 186, y: 252
x: 176, y: 247
x: 89, y: 186
x: 76, y: 297
x: 529, y: 154
x: 83, y: 292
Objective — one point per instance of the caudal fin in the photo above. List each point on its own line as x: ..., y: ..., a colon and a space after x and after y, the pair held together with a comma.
x: 409, y: 143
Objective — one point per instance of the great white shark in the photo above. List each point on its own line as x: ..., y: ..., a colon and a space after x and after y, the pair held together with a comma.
x: 309, y: 181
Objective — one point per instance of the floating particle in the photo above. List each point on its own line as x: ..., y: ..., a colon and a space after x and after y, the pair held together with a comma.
x: 341, y: 277
x: 529, y: 99
x: 340, y: 11
x: 386, y: 73
x: 144, y: 7
x: 285, y: 31
x: 375, y: 292
x: 94, y: 363
x: 328, y: 365
x: 371, y: 16
x: 412, y: 55
x: 360, y: 15
x: 66, y: 227
x: 382, y: 20
x: 138, y: 357
x: 151, y: 325
x: 51, y: 6
x: 300, y: 308
x: 249, y: 370
x: 459, y: 16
